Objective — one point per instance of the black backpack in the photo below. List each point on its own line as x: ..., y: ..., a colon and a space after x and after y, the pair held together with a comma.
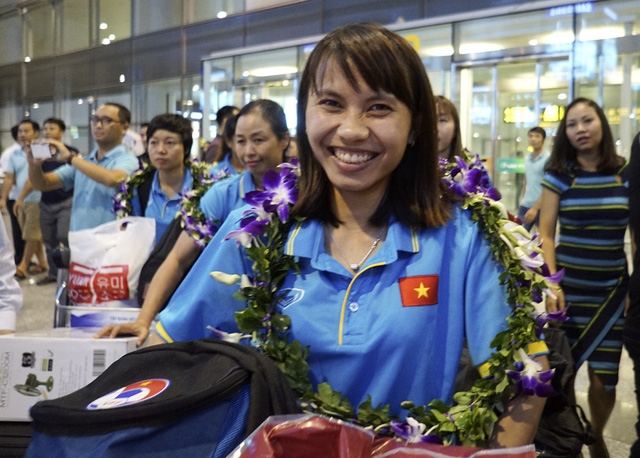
x: 193, y: 398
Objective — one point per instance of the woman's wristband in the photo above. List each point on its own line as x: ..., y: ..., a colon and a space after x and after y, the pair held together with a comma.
x: 70, y: 160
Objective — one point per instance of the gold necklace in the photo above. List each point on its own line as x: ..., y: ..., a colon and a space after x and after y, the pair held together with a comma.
x: 356, y: 267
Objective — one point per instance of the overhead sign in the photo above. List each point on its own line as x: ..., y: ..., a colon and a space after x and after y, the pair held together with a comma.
x: 566, y: 10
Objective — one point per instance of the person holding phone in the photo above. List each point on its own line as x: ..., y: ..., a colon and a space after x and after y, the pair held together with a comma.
x: 94, y: 179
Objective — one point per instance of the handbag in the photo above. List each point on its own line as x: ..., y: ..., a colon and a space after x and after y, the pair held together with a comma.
x: 106, y: 261
x: 563, y: 427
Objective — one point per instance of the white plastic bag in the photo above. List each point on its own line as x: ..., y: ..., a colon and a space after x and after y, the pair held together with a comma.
x: 106, y: 261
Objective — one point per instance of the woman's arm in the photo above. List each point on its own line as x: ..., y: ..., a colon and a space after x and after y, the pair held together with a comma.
x: 162, y: 286
x: 549, y: 207
x: 518, y: 424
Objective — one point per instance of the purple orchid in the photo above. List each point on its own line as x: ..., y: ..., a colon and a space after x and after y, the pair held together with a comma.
x: 544, y: 317
x: 280, y: 192
x: 468, y: 178
x: 412, y: 431
x: 250, y: 229
x: 530, y: 378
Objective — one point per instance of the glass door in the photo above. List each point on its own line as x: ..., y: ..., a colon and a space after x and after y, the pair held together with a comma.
x: 499, y: 102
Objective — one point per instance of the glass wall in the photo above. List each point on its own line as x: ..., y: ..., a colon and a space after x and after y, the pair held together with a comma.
x: 153, y: 15
x: 114, y: 20
x: 11, y: 39
x: 76, y: 20
x: 37, y: 29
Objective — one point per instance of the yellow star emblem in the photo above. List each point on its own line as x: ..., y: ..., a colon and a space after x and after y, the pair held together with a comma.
x: 422, y: 291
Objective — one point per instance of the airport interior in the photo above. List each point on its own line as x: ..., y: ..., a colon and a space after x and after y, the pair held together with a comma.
x: 508, y: 65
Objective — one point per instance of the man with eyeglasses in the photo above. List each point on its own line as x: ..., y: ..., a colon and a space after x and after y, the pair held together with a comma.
x: 95, y: 179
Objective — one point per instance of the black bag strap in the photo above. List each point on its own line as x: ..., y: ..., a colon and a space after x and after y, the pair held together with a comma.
x: 144, y: 190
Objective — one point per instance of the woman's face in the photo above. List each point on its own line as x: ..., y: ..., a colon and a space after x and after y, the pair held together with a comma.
x: 166, y: 151
x: 358, y: 137
x: 446, y: 131
x: 583, y: 128
x: 257, y: 146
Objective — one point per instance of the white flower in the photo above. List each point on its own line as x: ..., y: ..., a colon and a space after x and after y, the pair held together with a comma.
x: 227, y: 279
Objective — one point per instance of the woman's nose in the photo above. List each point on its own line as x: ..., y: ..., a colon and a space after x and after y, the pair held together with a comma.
x: 353, y: 126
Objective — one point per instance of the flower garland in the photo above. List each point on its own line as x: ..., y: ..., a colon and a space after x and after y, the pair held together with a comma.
x: 469, y: 421
x: 193, y: 220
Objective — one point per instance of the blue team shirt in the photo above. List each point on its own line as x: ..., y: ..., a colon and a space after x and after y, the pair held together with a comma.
x: 225, y: 196
x: 19, y: 166
x: 161, y: 207
x: 92, y: 201
x: 363, y: 338
x: 224, y: 166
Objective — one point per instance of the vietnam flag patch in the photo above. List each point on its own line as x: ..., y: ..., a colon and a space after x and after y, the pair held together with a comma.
x: 419, y: 290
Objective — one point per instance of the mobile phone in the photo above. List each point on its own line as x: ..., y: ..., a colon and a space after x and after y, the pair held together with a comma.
x: 40, y: 151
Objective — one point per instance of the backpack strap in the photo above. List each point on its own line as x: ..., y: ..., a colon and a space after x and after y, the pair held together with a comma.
x: 144, y: 190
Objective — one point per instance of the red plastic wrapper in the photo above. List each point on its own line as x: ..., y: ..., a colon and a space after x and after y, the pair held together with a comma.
x: 304, y: 436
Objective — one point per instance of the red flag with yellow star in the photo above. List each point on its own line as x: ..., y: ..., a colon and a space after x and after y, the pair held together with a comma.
x: 419, y: 290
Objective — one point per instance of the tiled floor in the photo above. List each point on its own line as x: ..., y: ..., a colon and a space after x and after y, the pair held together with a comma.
x: 37, y: 313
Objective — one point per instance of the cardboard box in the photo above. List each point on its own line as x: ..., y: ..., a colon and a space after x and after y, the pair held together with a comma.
x: 51, y: 363
x: 76, y: 316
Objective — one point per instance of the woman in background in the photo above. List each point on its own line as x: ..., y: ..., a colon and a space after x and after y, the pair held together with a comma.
x: 260, y: 139
x: 449, y: 137
x: 227, y: 161
x: 584, y: 189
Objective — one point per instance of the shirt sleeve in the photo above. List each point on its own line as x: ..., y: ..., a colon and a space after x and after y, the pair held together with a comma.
x: 127, y: 162
x: 201, y: 303
x: 556, y: 182
x: 10, y: 292
x: 67, y: 175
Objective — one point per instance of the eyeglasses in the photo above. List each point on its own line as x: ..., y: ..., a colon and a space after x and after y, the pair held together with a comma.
x: 105, y: 121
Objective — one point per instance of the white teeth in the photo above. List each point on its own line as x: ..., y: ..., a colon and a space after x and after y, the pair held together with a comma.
x: 350, y: 158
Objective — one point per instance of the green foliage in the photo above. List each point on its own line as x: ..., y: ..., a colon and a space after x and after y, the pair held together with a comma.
x: 470, y: 420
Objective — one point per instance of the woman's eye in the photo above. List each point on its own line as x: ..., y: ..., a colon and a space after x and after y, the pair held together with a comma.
x: 380, y: 109
x: 329, y: 103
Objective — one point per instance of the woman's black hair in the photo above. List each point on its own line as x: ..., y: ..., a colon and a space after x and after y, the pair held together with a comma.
x: 176, y: 124
x: 386, y: 62
x: 564, y: 154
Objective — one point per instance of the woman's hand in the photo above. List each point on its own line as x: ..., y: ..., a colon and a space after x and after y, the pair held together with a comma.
x: 135, y: 328
x: 555, y: 303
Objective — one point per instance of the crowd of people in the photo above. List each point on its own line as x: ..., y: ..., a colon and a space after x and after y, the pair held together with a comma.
x: 372, y: 209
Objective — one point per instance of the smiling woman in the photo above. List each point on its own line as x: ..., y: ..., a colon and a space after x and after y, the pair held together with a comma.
x: 378, y: 268
x: 585, y: 189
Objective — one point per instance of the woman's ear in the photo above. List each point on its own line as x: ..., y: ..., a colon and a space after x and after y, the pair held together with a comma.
x: 411, y: 140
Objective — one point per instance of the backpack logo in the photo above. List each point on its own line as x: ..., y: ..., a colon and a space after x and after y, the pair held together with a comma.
x: 131, y: 394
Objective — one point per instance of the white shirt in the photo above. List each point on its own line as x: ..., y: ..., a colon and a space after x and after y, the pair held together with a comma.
x: 10, y: 293
x: 4, y: 162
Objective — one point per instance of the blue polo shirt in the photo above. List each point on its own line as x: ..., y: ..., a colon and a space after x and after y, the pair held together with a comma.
x: 533, y: 172
x: 226, y: 195
x: 394, y: 330
x: 223, y: 166
x: 92, y: 201
x: 161, y: 207
x: 19, y: 166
